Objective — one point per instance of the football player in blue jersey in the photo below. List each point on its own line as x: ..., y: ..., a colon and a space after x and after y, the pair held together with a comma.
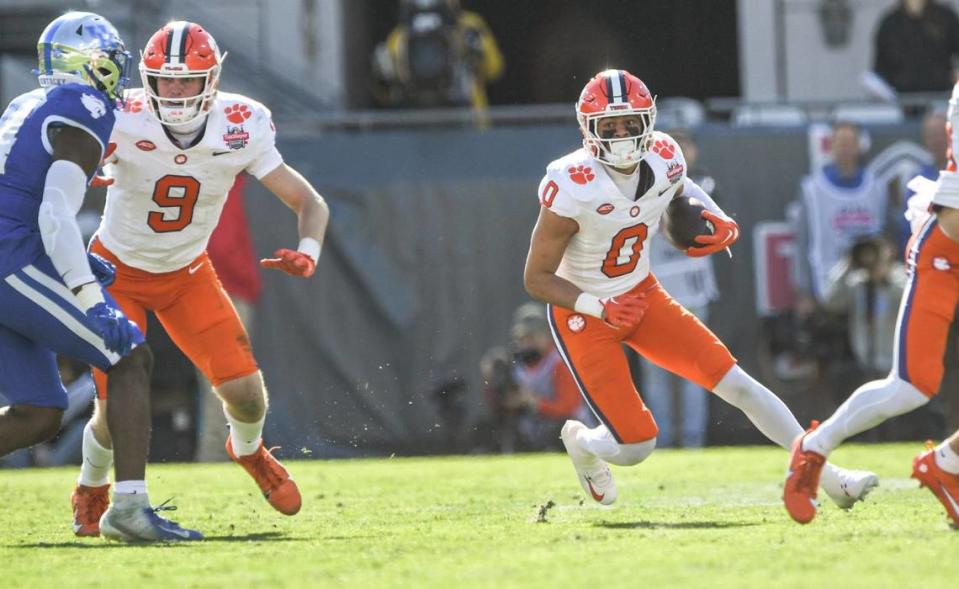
x: 51, y: 299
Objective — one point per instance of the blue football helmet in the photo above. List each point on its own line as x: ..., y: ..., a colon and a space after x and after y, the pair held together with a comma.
x: 83, y: 48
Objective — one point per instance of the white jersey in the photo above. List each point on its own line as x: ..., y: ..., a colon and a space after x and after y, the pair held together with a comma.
x: 609, y: 254
x: 166, y: 201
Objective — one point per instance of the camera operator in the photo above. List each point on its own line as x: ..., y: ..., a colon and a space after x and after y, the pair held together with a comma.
x: 437, y: 55
x: 528, y: 388
x: 867, y: 286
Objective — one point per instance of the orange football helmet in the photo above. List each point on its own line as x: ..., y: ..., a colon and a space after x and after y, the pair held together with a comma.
x: 181, y: 50
x: 616, y: 93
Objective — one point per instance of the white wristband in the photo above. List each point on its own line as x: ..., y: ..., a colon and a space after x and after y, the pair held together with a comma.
x: 589, y: 305
x: 89, y: 295
x: 310, y: 247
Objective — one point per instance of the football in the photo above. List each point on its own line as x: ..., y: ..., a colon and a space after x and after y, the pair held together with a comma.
x: 683, y: 221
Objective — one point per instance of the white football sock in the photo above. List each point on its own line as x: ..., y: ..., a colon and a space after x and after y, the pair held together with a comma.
x: 600, y: 442
x: 245, y: 437
x: 124, y: 498
x: 871, y: 404
x: 946, y: 458
x: 97, y: 460
x: 829, y: 477
x: 771, y: 416
x: 767, y: 411
x: 632, y: 454
x: 597, y: 441
x: 130, y: 488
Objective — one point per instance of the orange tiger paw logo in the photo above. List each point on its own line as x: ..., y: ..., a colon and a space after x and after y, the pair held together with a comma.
x: 581, y: 174
x: 665, y: 149
x: 132, y: 106
x: 237, y: 113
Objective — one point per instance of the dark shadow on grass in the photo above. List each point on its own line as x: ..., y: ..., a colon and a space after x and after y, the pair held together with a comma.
x: 253, y: 537
x: 101, y: 544
x: 694, y: 525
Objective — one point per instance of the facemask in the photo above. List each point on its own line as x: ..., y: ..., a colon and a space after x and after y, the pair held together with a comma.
x: 622, y: 152
x: 177, y: 112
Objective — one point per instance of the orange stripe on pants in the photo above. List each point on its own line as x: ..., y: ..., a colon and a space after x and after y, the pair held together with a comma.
x: 193, y: 308
x: 669, y: 336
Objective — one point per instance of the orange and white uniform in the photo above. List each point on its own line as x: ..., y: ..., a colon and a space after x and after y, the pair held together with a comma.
x: 932, y: 289
x: 608, y: 257
x: 927, y: 309
x: 160, y: 212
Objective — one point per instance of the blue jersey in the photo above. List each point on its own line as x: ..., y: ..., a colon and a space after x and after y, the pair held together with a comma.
x: 26, y: 155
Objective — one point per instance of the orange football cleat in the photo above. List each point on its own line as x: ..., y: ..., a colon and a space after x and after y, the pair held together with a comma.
x: 802, y: 480
x: 272, y: 478
x: 944, y: 485
x: 89, y: 503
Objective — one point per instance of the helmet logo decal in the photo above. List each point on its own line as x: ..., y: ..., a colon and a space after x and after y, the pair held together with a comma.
x: 664, y: 149
x: 94, y: 105
x: 237, y: 113
x: 581, y: 174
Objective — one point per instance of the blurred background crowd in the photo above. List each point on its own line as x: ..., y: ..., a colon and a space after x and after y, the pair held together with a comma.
x: 427, y: 125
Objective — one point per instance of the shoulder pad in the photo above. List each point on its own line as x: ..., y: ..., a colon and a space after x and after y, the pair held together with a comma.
x: 574, y: 173
x: 239, y: 109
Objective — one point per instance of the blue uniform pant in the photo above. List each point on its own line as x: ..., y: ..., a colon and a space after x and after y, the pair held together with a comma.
x: 39, y: 319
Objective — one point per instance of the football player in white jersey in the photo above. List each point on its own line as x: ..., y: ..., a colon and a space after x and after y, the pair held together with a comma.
x: 177, y: 147
x: 588, y: 260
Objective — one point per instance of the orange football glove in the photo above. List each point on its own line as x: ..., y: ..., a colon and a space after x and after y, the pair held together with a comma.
x: 291, y: 262
x: 725, y: 233
x: 625, y: 311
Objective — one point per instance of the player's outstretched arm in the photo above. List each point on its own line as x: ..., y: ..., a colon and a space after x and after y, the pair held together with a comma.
x: 76, y: 154
x: 312, y: 218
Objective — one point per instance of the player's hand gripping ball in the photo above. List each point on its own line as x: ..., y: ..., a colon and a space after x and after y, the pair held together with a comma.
x: 692, y: 228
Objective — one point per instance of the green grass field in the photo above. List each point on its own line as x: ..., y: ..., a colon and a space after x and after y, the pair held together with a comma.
x: 710, y: 518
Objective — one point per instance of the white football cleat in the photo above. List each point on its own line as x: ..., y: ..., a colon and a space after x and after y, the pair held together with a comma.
x: 849, y: 486
x: 593, y: 474
x: 139, y: 523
